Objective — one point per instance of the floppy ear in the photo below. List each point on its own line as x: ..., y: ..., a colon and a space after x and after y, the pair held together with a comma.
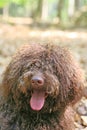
x: 69, y: 75
x: 76, y: 92
x: 71, y: 87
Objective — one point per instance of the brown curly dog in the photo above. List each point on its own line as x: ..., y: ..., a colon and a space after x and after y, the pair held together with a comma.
x: 40, y: 85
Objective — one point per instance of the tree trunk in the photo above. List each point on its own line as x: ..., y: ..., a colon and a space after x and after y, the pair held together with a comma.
x: 71, y: 8
x: 39, y: 8
x: 63, y: 11
x: 38, y: 11
x: 6, y: 12
x: 44, y: 14
x: 60, y: 7
x: 77, y: 4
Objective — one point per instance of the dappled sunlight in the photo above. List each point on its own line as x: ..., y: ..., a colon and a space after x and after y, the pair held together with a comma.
x: 19, y: 31
x: 59, y: 33
x: 72, y: 35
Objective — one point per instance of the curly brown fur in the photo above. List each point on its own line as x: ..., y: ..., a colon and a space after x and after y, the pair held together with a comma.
x: 59, y: 87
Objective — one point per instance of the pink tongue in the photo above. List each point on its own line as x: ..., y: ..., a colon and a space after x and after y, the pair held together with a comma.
x: 37, y: 100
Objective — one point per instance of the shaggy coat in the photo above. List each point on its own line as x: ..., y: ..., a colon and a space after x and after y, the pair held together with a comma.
x: 40, y: 85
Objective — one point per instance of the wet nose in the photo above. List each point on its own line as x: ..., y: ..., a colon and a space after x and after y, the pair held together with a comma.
x: 37, y: 81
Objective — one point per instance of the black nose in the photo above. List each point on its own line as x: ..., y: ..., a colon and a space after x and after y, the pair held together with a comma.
x: 37, y: 81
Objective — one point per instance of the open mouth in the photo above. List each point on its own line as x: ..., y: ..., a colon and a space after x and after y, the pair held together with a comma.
x: 37, y: 99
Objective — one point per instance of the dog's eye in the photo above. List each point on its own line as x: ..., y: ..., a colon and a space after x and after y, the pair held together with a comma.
x: 27, y: 75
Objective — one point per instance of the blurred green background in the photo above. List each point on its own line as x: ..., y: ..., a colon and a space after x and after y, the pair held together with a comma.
x: 65, y: 13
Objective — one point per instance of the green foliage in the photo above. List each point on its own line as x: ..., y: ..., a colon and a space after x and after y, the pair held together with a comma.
x: 3, y: 3
x: 64, y: 13
x: 52, y: 1
x: 20, y: 2
x: 81, y: 17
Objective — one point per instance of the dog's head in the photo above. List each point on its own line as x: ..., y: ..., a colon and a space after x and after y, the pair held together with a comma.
x: 43, y: 78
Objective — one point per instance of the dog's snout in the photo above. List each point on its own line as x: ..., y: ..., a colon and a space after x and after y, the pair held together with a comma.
x: 37, y: 81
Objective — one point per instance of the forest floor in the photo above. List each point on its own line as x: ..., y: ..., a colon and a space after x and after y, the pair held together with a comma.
x: 12, y: 37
